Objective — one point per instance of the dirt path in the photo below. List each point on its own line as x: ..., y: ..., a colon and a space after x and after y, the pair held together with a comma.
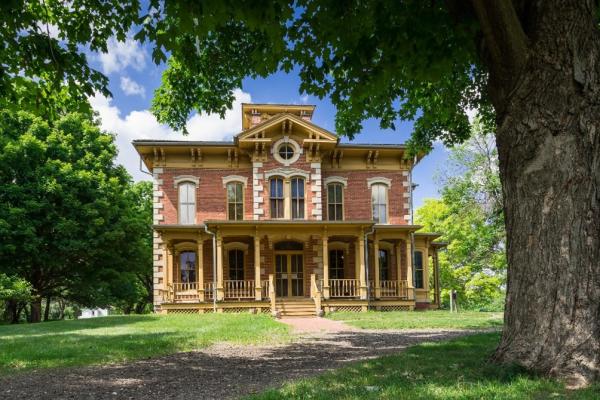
x: 218, y: 372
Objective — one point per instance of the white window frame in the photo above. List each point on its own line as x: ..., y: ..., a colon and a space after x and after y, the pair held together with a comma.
x: 190, y: 206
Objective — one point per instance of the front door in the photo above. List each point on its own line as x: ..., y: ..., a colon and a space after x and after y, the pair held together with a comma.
x: 289, y: 275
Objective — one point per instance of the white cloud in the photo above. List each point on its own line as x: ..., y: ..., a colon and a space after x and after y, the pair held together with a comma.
x: 131, y: 87
x: 121, y: 55
x: 143, y: 125
x: 304, y: 99
x: 49, y: 29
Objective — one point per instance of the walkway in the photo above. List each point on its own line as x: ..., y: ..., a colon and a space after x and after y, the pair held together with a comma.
x: 221, y: 371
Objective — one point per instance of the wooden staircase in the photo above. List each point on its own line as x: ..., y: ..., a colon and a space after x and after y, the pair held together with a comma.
x: 296, y: 307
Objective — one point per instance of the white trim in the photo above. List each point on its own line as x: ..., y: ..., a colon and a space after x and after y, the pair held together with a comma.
x: 379, y: 179
x: 297, y: 150
x: 186, y: 178
x: 336, y: 179
x: 235, y: 178
x: 287, y: 172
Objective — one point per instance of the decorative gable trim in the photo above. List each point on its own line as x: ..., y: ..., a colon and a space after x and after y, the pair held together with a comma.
x: 235, y: 178
x: 186, y: 178
x: 336, y: 179
x: 379, y: 179
x: 287, y: 172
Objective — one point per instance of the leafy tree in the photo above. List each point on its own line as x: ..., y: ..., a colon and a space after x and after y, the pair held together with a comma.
x: 471, y: 219
x: 65, y: 223
x: 531, y: 69
x: 15, y: 293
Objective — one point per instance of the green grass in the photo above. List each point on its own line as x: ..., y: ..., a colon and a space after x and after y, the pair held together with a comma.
x: 420, y: 320
x: 115, y: 339
x: 457, y: 369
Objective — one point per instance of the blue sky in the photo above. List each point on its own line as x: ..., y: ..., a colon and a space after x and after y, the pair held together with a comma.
x: 134, y: 77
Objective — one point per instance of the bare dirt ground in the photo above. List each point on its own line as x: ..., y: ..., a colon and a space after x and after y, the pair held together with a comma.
x: 221, y: 371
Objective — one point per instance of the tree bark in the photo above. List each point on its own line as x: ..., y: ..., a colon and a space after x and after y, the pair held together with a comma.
x: 548, y: 139
x: 36, y: 310
x: 47, y: 309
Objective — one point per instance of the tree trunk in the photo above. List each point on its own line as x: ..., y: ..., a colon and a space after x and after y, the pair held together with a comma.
x: 36, y: 310
x: 47, y: 309
x: 548, y: 139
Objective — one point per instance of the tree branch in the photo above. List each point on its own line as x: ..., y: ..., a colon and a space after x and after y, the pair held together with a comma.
x: 506, y: 43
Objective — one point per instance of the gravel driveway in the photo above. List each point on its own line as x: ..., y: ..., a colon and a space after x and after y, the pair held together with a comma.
x: 218, y: 372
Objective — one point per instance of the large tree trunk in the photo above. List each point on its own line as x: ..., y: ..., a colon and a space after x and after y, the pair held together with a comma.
x: 36, y: 309
x: 47, y: 309
x: 548, y: 139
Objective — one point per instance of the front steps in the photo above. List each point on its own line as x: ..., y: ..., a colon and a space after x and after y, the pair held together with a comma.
x: 296, y: 308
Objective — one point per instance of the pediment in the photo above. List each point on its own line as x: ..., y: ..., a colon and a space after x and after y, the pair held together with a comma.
x: 286, y: 124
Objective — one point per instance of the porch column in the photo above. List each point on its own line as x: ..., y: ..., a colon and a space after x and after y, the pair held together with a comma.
x: 325, y: 239
x: 219, y: 250
x: 426, y: 268
x: 436, y: 278
x: 169, y: 268
x: 399, y: 271
x: 200, y: 264
x: 376, y: 266
x: 409, y: 271
x: 257, y: 282
x: 360, y: 245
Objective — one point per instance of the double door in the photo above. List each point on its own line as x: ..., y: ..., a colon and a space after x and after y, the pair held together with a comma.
x: 289, y: 274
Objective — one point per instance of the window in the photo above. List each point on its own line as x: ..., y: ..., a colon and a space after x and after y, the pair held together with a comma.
x: 379, y: 202
x: 187, y: 266
x: 187, y: 203
x: 297, y: 198
x: 335, y: 210
x: 235, y: 201
x: 336, y: 264
x: 286, y: 151
x: 236, y: 265
x: 276, y: 194
x: 419, y: 270
x: 384, y: 265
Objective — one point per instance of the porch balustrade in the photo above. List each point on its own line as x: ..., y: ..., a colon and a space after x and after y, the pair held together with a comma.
x: 187, y: 291
x: 390, y: 289
x: 209, y: 290
x: 344, y: 288
x: 238, y: 289
x: 264, y: 289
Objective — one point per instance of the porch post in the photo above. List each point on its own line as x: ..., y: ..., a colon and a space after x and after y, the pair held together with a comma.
x: 437, y: 279
x: 360, y: 245
x: 400, y: 289
x: 426, y: 268
x: 409, y: 271
x: 257, y: 282
x: 219, y: 250
x: 200, y: 264
x: 376, y: 265
x: 169, y: 266
x: 325, y: 239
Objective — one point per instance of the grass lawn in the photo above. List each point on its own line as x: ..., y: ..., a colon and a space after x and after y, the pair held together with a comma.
x: 420, y: 319
x: 120, y: 338
x: 456, y: 369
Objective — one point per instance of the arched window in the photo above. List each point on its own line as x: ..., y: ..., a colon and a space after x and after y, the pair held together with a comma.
x: 384, y: 265
x: 419, y: 276
x: 187, y: 203
x: 335, y: 202
x: 235, y: 201
x: 297, y: 198
x: 276, y: 197
x: 236, y: 265
x: 187, y: 266
x: 336, y: 264
x: 380, y: 202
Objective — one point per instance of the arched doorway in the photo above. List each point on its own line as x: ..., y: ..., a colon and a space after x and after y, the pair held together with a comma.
x: 289, y: 269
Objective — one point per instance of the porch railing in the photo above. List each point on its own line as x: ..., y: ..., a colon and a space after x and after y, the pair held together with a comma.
x: 390, y: 288
x: 238, y: 289
x: 344, y: 288
x: 264, y: 291
x: 209, y: 290
x: 187, y: 291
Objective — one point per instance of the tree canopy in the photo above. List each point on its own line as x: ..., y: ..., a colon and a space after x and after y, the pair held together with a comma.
x: 69, y: 224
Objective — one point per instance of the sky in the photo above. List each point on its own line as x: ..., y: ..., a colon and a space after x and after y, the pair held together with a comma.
x: 134, y: 77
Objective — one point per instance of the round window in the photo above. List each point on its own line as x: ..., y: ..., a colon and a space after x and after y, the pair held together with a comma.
x: 286, y: 151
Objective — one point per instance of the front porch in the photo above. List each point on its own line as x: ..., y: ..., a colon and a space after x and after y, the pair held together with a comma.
x: 322, y: 267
